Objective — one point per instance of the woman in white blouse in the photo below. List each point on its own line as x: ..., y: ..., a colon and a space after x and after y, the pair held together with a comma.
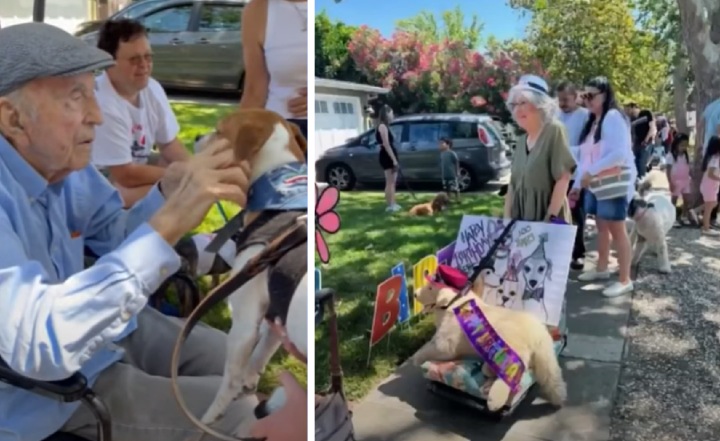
x: 275, y: 41
x: 606, y: 170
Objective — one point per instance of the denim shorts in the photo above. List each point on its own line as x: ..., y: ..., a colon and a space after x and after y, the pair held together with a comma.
x: 615, y: 209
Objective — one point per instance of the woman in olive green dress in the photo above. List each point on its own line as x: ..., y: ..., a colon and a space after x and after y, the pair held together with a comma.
x: 542, y: 163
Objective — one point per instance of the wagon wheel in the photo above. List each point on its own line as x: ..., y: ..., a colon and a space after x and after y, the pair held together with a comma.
x: 184, y: 288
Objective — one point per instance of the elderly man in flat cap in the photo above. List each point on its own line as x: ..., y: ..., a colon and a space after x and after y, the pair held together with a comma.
x: 59, y: 318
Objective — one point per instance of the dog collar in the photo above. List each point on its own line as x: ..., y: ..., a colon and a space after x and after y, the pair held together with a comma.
x: 283, y: 188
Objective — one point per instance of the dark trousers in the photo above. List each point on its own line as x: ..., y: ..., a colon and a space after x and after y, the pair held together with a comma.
x: 578, y: 217
x: 642, y: 157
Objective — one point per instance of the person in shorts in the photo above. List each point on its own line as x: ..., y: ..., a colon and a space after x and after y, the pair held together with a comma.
x: 449, y: 168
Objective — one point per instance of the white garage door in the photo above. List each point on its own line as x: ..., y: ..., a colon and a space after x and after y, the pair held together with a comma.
x: 337, y: 118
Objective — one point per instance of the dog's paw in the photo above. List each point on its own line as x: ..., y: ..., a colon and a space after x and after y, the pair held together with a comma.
x: 250, y: 383
x: 498, y: 396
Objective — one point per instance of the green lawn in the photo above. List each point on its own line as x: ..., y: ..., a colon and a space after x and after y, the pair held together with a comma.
x: 198, y: 119
x: 370, y: 242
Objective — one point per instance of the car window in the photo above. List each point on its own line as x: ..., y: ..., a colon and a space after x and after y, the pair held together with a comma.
x: 463, y: 130
x: 215, y: 18
x: 428, y: 132
x: 136, y: 10
x: 492, y: 131
x: 174, y: 19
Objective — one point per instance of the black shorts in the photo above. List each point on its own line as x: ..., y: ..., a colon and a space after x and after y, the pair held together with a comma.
x: 302, y: 123
x: 386, y: 161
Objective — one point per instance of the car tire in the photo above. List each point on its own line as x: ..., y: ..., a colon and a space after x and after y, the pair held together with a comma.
x: 340, y: 176
x: 467, y: 181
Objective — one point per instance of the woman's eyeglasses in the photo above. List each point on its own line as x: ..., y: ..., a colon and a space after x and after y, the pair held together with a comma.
x: 515, y: 105
x: 588, y: 96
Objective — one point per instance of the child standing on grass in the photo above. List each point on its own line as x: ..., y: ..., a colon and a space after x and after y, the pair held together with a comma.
x: 678, y: 173
x: 710, y: 184
x: 449, y: 168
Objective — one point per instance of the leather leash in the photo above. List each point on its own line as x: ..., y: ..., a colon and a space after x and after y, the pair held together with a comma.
x: 292, y: 236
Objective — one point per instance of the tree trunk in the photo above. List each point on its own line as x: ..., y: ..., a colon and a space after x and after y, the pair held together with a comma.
x: 701, y: 40
x: 680, y: 97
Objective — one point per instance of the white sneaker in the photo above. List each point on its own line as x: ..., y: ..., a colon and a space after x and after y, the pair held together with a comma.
x: 592, y: 275
x: 393, y: 208
x: 617, y: 289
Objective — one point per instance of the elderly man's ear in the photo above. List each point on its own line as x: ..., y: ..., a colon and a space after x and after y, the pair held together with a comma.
x: 11, y: 126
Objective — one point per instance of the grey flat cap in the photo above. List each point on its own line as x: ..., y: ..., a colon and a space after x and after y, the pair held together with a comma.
x: 39, y: 50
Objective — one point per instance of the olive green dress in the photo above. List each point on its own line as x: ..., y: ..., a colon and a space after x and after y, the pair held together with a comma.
x: 534, y: 173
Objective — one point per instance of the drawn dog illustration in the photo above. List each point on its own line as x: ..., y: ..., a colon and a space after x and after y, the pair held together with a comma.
x: 535, y: 269
x: 438, y: 204
x: 653, y: 216
x: 522, y: 331
x: 278, y: 197
x: 509, y: 290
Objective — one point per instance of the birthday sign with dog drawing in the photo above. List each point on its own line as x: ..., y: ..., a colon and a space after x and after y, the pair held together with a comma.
x: 531, y: 266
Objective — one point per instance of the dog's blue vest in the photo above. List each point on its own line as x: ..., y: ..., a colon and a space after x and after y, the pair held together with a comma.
x: 284, y: 188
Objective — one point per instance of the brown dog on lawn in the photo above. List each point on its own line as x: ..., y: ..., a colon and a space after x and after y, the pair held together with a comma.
x: 438, y: 204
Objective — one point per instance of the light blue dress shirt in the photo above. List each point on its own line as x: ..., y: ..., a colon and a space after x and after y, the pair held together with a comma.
x: 711, y: 114
x: 57, y: 317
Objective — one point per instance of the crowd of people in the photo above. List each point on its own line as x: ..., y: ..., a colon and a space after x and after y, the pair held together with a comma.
x: 583, y: 144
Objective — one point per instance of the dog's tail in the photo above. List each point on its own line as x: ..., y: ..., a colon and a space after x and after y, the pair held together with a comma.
x: 547, y: 372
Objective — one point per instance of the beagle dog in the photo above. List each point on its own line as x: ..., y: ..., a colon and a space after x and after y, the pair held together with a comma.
x: 278, y: 197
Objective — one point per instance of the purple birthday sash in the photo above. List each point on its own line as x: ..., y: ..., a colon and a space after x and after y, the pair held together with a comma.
x: 498, y: 355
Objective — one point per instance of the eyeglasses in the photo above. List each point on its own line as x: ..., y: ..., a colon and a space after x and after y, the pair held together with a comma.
x: 513, y: 106
x: 590, y: 95
x: 137, y: 60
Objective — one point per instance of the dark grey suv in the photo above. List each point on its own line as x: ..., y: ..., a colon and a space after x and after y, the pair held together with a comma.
x: 480, y: 148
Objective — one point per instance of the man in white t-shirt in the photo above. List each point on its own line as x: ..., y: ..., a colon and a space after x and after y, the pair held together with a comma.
x: 574, y: 118
x: 136, y: 115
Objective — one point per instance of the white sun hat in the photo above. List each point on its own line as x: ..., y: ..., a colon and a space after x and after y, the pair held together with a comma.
x: 533, y: 83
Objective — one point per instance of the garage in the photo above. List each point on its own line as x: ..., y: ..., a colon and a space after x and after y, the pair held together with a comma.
x: 340, y: 111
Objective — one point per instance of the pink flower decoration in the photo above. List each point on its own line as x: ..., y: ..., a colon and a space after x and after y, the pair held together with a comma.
x: 326, y: 219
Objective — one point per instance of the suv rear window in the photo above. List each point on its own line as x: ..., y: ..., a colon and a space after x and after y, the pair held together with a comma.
x: 492, y: 132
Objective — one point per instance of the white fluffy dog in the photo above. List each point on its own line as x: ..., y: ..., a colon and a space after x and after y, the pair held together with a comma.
x: 522, y: 331
x: 653, y: 216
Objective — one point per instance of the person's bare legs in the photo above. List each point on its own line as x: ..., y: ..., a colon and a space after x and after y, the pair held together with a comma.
x: 603, y: 244
x: 390, y: 178
x: 707, y: 215
x: 618, y: 231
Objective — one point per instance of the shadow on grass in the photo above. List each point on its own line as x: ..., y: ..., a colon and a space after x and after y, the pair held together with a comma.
x: 198, y: 119
x: 369, y: 243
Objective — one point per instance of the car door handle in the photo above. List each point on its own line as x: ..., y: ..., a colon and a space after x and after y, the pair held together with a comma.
x: 203, y: 41
x: 176, y: 41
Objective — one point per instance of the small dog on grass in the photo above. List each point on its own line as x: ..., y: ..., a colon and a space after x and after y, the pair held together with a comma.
x: 438, y: 204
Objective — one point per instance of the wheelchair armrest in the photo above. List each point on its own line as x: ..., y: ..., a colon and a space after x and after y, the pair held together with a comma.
x: 67, y: 390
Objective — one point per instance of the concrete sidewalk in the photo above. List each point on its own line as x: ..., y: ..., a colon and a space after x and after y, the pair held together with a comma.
x: 401, y: 408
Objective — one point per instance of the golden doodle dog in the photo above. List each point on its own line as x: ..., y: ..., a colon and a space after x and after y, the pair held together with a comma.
x: 438, y: 204
x: 522, y: 331
x: 277, y: 198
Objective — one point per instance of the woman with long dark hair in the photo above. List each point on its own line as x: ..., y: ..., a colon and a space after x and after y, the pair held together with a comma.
x: 388, y: 155
x: 608, y: 173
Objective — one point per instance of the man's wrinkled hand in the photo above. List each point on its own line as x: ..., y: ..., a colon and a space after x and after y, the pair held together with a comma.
x: 192, y: 187
x: 289, y: 423
x: 298, y: 105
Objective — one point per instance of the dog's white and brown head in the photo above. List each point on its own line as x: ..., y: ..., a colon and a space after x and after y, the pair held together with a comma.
x: 262, y: 137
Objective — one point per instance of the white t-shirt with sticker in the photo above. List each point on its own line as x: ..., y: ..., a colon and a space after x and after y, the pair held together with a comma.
x: 128, y: 133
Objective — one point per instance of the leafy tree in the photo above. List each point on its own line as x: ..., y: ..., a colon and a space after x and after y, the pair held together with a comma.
x: 453, y: 28
x: 579, y: 40
x: 332, y: 59
x: 436, y: 77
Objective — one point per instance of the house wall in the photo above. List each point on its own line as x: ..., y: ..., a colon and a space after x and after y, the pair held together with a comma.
x: 327, y: 137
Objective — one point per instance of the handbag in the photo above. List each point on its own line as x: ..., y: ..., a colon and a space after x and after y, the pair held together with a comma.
x: 333, y: 418
x: 612, y: 183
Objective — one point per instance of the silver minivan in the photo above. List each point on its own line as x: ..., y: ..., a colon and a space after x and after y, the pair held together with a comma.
x: 196, y: 43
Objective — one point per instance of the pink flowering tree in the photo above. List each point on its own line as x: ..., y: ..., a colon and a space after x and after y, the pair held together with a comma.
x: 430, y: 77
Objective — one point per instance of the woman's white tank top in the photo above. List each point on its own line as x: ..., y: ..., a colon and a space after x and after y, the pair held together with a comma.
x: 286, y: 42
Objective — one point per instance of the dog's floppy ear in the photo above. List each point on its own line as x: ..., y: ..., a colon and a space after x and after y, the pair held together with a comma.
x: 299, y: 147
x: 247, y: 131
